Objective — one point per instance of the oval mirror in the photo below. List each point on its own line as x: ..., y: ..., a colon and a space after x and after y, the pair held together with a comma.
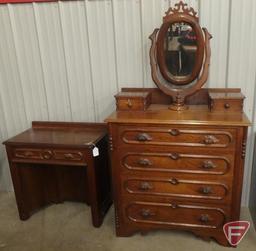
x: 180, y: 55
x: 180, y: 51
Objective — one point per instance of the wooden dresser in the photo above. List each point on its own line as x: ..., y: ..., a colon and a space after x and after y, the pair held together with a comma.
x: 177, y: 170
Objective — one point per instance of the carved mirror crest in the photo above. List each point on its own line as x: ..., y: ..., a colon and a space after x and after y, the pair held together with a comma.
x: 180, y: 54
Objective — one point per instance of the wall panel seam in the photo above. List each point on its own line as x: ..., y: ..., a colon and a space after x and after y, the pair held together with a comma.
x: 40, y: 55
x: 143, y: 57
x: 115, y: 43
x: 65, y: 59
x: 10, y: 14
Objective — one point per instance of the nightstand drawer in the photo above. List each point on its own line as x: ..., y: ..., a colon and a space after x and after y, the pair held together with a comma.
x: 175, y: 136
x: 32, y: 154
x: 47, y: 155
x: 178, y: 188
x: 175, y: 214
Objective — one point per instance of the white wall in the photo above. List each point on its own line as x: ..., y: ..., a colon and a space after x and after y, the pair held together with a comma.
x: 66, y: 60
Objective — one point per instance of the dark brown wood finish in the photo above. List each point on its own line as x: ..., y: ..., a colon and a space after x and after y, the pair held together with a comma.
x: 182, y: 167
x: 229, y: 102
x: 53, y: 162
x: 177, y: 170
x: 132, y: 101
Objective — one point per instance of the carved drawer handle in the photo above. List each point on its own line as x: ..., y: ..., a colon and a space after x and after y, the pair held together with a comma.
x: 29, y: 154
x: 143, y: 137
x: 205, y: 190
x: 69, y: 156
x: 129, y: 103
x: 174, y: 156
x: 227, y: 106
x: 144, y: 162
x: 47, y: 155
x: 145, y: 213
x: 210, y: 139
x: 208, y: 164
x: 174, y: 181
x: 174, y: 132
x: 145, y: 186
x: 204, y: 218
x: 24, y: 155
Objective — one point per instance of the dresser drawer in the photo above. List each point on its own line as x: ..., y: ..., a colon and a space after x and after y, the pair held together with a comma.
x: 178, y: 188
x: 47, y: 155
x: 168, y: 136
x: 176, y: 162
x: 182, y: 214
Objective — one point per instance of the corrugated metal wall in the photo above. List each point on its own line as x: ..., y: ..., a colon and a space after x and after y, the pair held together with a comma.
x: 66, y: 60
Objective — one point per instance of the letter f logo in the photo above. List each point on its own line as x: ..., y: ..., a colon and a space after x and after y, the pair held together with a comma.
x: 235, y: 231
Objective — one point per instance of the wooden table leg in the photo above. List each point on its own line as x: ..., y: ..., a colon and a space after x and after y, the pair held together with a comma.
x: 17, y: 184
x: 93, y: 191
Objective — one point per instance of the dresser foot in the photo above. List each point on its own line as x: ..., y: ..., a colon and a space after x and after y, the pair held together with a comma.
x: 128, y: 231
x: 222, y: 240
x: 144, y: 233
x: 24, y: 216
x: 219, y: 237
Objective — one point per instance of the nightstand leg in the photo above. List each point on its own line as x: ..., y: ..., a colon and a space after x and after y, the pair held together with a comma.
x: 93, y: 191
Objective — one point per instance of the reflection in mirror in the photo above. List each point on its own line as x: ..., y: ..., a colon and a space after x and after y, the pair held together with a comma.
x: 180, y: 49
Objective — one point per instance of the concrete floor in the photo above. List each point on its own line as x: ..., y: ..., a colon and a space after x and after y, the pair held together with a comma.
x: 68, y: 227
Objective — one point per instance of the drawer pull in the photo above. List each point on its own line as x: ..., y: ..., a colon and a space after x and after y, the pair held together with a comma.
x: 210, y: 139
x: 227, y: 106
x: 174, y: 181
x: 69, y: 156
x: 174, y: 156
x: 174, y: 132
x: 145, y: 213
x: 47, y: 155
x: 204, y: 218
x: 205, y: 190
x: 144, y: 162
x: 145, y: 186
x: 208, y: 165
x: 143, y: 137
x: 25, y: 155
x: 129, y: 103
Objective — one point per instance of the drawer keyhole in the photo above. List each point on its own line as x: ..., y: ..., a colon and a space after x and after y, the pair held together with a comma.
x: 174, y: 206
x: 174, y: 156
x: 174, y: 181
x: 174, y: 132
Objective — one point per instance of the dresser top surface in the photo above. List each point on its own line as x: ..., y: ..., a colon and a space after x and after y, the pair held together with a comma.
x: 194, y: 115
x: 60, y: 134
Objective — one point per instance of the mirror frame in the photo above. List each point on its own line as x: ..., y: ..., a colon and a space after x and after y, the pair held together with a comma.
x: 179, y: 91
x: 192, y: 21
